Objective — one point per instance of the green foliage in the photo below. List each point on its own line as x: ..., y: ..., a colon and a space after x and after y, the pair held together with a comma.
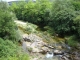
x: 49, y: 30
x: 62, y: 17
x: 76, y: 4
x: 3, y: 5
x: 77, y: 22
x: 27, y: 27
x: 7, y: 26
x: 72, y: 41
x: 18, y: 9
x: 8, y: 35
x: 7, y: 48
x: 59, y: 16
x: 31, y: 28
x: 37, y: 13
x: 10, y: 51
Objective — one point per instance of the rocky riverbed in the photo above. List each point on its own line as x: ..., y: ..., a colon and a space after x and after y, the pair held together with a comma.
x: 41, y: 50
x: 38, y: 49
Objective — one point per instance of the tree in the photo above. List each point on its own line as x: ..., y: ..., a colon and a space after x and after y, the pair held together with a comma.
x: 34, y: 12
x: 7, y: 25
x: 62, y: 17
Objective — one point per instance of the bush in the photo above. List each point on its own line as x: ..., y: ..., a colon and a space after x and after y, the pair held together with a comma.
x: 72, y: 41
x: 37, y: 13
x: 31, y: 28
x: 7, y: 25
x: 77, y: 22
x: 62, y: 17
x: 10, y: 51
x: 3, y: 5
x: 7, y: 48
x: 76, y: 4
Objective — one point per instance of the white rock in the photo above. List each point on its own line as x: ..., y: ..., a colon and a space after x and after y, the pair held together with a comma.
x: 56, y: 51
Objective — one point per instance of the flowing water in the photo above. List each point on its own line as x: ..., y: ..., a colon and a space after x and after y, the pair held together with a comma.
x: 50, y: 56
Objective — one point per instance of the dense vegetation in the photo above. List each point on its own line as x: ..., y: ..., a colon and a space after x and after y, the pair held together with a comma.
x: 37, y: 13
x: 10, y: 51
x: 7, y: 25
x: 62, y: 16
x: 8, y: 36
x: 59, y: 16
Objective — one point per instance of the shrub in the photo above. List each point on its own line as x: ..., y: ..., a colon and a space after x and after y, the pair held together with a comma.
x: 37, y: 13
x: 7, y: 25
x: 76, y: 4
x: 62, y: 17
x: 31, y: 28
x: 77, y: 22
x: 3, y: 5
x: 72, y: 41
x: 10, y: 51
x: 7, y: 48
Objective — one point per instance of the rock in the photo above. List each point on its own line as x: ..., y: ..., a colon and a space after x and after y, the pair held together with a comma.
x: 66, y: 55
x: 44, y: 50
x: 38, y: 47
x: 35, y: 59
x: 55, y: 58
x: 20, y: 42
x: 59, y: 47
x: 65, y: 58
x: 76, y: 55
x: 35, y: 43
x: 28, y: 44
x: 57, y: 52
x: 34, y: 47
x: 51, y: 47
x: 26, y: 39
x: 25, y: 35
x: 76, y: 58
x: 35, y: 50
x: 34, y: 38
